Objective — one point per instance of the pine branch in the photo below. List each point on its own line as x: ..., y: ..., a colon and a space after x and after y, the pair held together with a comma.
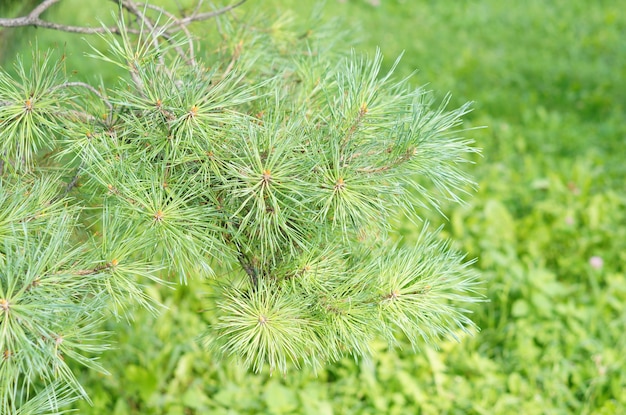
x: 189, y: 183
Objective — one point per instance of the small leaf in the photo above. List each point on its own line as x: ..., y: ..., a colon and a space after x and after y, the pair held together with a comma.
x: 520, y: 308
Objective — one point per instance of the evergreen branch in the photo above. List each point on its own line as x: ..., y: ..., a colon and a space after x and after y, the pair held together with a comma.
x: 299, y: 199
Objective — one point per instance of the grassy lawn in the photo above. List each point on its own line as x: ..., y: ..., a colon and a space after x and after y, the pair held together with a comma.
x: 547, y: 225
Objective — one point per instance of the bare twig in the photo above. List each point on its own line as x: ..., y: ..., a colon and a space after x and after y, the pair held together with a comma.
x: 41, y: 8
x: 33, y: 18
x: 154, y: 30
x: 99, y: 268
x: 197, y: 9
x: 26, y: 21
x: 208, y: 15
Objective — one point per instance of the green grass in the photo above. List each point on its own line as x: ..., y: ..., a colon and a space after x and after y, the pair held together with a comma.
x: 548, y: 81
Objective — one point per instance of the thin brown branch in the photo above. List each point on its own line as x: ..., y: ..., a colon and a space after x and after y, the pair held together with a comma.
x: 246, y: 264
x: 72, y: 184
x: 355, y: 156
x: 27, y: 21
x: 402, y: 159
x: 197, y: 8
x: 208, y: 15
x: 97, y: 269
x: 36, y: 12
x: 354, y: 127
x: 380, y: 169
x: 34, y: 19
x: 115, y: 191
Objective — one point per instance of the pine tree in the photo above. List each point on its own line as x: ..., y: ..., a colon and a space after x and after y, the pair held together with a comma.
x: 272, y: 167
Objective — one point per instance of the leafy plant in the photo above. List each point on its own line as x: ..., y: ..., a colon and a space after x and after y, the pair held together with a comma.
x: 274, y: 169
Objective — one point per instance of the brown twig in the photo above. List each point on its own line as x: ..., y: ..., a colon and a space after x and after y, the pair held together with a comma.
x: 157, y: 32
x: 34, y: 19
x: 402, y: 159
x: 354, y: 127
x: 247, y: 266
x: 246, y: 263
x: 72, y: 183
x: 97, y: 269
x: 209, y: 15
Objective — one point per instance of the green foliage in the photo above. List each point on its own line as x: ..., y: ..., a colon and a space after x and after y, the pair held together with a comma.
x: 275, y: 172
x: 50, y: 307
x: 547, y: 78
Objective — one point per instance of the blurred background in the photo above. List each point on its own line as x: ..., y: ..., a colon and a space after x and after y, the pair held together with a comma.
x: 547, y: 224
